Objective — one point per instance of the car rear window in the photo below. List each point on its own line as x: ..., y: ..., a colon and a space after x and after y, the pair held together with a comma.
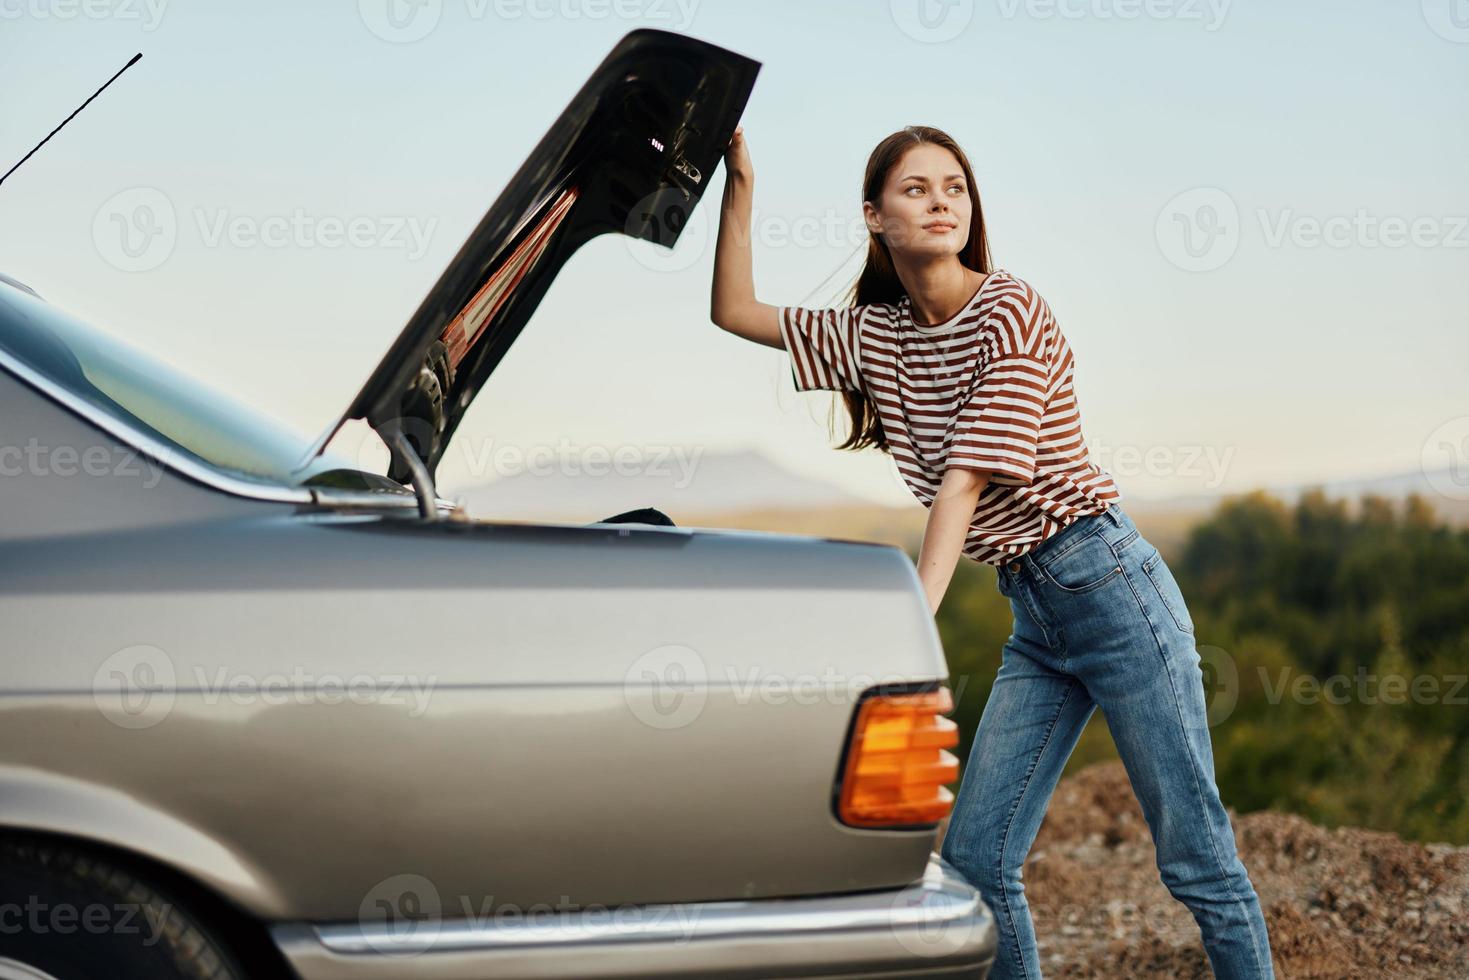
x: 148, y: 395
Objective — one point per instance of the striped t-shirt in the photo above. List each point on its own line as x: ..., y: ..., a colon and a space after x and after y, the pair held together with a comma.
x: 989, y: 389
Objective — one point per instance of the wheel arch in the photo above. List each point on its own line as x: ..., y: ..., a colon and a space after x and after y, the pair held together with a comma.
x: 38, y: 802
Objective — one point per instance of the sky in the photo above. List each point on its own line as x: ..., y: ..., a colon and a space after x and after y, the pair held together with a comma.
x: 1251, y: 219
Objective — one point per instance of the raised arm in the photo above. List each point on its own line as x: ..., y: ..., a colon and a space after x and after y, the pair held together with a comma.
x: 733, y: 306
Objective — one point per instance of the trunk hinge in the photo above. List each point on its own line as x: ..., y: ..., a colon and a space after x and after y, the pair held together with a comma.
x: 423, y: 483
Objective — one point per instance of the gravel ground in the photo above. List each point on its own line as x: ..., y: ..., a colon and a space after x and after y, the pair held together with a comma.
x: 1347, y: 903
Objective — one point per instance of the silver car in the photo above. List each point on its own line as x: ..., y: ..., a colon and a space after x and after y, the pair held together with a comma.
x: 263, y: 714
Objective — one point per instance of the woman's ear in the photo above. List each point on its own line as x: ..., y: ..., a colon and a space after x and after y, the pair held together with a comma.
x: 870, y: 217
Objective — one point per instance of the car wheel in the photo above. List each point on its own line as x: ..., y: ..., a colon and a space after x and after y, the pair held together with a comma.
x: 68, y: 914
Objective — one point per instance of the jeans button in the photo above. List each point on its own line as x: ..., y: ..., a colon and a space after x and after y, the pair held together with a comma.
x: 1014, y: 566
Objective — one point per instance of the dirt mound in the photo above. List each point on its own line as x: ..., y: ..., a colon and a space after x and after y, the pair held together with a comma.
x: 1346, y: 903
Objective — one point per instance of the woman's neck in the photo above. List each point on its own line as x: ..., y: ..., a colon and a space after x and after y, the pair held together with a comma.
x: 939, y: 290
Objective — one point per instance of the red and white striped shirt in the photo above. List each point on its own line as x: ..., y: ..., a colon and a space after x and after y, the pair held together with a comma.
x: 989, y: 389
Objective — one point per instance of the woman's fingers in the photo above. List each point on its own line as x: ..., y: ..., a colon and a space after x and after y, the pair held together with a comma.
x: 737, y: 156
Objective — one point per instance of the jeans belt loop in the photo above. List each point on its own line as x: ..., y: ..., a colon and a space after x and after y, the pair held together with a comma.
x: 1111, y: 513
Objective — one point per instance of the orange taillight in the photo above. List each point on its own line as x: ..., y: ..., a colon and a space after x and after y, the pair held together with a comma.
x: 898, y: 763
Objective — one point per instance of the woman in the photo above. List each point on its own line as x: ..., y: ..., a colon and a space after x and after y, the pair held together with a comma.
x: 960, y: 373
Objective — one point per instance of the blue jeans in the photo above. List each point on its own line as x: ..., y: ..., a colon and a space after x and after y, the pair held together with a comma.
x: 1100, y: 622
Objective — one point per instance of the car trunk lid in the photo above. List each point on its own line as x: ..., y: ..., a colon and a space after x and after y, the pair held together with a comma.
x: 632, y: 153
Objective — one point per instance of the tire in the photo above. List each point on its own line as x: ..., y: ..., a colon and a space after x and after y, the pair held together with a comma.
x: 69, y: 914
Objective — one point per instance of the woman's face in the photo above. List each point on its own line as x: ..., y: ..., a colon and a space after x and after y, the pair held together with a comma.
x: 924, y: 207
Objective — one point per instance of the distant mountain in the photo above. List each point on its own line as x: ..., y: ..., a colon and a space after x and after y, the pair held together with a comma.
x: 746, y: 490
x: 681, y: 483
x: 1394, y: 486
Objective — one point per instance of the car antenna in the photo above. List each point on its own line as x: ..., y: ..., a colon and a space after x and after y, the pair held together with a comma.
x: 131, y: 62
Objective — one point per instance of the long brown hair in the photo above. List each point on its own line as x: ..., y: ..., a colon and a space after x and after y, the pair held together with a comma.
x: 879, y: 282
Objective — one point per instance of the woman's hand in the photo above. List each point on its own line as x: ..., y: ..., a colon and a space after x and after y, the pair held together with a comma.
x: 737, y: 158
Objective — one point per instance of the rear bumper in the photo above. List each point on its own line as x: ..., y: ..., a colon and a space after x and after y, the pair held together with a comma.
x: 936, y: 927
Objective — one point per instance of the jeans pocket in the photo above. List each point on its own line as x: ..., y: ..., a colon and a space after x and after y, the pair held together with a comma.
x: 1158, y: 572
x: 1000, y: 580
x: 1089, y: 564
